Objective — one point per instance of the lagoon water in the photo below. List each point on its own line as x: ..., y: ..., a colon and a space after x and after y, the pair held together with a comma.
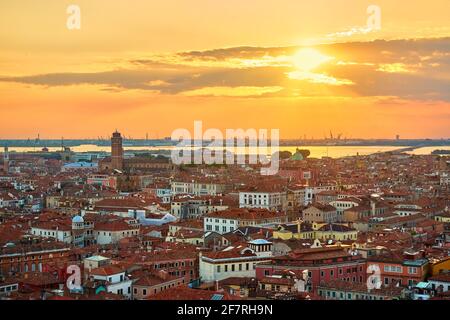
x: 428, y: 150
x: 316, y: 151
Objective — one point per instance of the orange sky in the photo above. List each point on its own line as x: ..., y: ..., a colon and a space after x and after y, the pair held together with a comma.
x: 304, y: 67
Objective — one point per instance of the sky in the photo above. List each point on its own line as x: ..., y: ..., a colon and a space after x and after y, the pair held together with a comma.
x: 150, y: 67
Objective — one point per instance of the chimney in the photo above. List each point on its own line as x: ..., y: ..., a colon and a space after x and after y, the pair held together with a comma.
x: 163, y: 274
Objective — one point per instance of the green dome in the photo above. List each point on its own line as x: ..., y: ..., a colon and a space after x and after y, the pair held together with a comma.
x: 297, y: 156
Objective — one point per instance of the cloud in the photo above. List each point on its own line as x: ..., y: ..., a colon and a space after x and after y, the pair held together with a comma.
x: 394, y: 68
x: 351, y: 32
x: 408, y: 69
x: 318, y: 78
x: 232, y: 91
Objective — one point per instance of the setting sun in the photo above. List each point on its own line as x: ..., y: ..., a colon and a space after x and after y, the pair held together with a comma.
x: 308, y: 59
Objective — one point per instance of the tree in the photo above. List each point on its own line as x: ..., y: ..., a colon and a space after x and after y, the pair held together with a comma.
x: 304, y: 152
x: 284, y: 155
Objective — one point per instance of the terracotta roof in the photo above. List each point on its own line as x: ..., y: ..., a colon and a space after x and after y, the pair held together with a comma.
x: 230, y: 252
x: 106, y: 271
x: 153, y: 280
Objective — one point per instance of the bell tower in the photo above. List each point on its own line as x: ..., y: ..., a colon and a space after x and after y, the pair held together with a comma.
x: 116, y: 151
x: 6, y: 160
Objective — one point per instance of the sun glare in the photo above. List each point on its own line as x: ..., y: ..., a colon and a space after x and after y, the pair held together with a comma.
x: 308, y: 59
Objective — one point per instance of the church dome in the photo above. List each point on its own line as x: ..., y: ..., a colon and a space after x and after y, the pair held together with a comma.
x: 297, y: 156
x: 77, y: 219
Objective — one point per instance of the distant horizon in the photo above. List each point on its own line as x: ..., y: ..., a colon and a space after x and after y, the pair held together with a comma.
x: 168, y: 139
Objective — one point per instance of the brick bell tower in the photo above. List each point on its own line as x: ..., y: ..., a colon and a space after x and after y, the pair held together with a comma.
x: 6, y: 160
x: 116, y: 151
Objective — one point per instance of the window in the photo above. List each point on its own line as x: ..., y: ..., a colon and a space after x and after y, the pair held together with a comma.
x: 396, y: 269
x: 144, y: 292
x: 412, y: 270
x: 218, y: 268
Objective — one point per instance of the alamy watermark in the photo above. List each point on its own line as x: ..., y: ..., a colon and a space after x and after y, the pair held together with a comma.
x: 237, y: 146
x: 374, y: 277
x: 73, y: 282
x: 74, y: 19
x: 374, y: 19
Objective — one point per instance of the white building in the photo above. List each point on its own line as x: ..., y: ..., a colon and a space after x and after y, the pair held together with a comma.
x: 220, y: 225
x: 264, y: 200
x: 198, y: 188
x: 344, y: 204
x: 114, y: 279
x: 237, y: 261
x: 229, y: 220
x: 57, y: 231
x: 95, y: 262
x: 114, y: 231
